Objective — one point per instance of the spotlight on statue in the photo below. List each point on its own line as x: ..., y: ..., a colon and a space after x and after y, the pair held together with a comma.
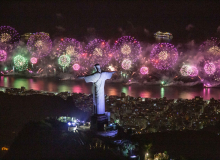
x: 99, y: 118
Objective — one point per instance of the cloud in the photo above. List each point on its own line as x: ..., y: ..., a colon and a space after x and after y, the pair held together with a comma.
x: 218, y: 29
x: 59, y: 15
x: 91, y: 30
x: 60, y: 28
x: 120, y: 29
x: 146, y: 31
x: 189, y: 27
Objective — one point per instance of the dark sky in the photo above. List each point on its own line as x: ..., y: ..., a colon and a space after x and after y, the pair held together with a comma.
x: 73, y: 19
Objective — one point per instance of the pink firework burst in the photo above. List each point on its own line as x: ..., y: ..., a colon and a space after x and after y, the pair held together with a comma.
x: 97, y: 51
x: 76, y: 67
x: 163, y: 56
x: 126, y: 47
x: 193, y: 71
x: 187, y: 70
x: 8, y: 35
x: 210, y: 48
x: 33, y: 60
x: 184, y: 70
x: 39, y: 44
x: 70, y: 47
x: 126, y: 64
x: 210, y: 68
x: 144, y: 70
x: 3, y: 55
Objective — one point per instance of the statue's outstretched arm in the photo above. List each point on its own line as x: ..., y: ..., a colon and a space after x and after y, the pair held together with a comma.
x: 91, y: 78
x: 108, y: 75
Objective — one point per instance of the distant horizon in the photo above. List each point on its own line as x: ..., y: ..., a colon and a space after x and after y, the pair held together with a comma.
x: 111, y: 89
x: 106, y: 94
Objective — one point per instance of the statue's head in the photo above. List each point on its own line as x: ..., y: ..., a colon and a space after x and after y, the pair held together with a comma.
x: 97, y: 67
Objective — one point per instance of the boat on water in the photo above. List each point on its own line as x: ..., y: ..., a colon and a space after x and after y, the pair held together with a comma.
x: 160, y: 34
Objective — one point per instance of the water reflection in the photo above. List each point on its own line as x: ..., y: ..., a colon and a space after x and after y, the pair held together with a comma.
x: 52, y: 85
x: 77, y: 89
x: 34, y: 85
x: 6, y: 81
x: 125, y: 90
x: 112, y: 91
x: 164, y: 39
x: 186, y: 95
x: 162, y: 92
x: 145, y: 94
x: 63, y: 88
x: 18, y: 83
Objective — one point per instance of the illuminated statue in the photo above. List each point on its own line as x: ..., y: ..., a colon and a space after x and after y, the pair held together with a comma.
x: 98, y: 79
x: 99, y: 119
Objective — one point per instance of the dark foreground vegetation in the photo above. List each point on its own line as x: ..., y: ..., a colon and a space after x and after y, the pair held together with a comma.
x: 185, y: 145
x: 51, y: 140
x: 16, y: 111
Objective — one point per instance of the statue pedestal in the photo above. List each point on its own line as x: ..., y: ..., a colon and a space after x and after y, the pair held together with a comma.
x: 98, y: 121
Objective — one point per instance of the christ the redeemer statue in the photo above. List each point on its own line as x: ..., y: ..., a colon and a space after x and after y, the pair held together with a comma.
x: 99, y: 119
x: 98, y: 79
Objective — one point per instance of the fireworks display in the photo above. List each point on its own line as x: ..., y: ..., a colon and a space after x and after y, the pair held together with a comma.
x: 217, y: 75
x: 97, y: 51
x: 33, y: 60
x: 211, y: 48
x: 125, y: 57
x: 8, y: 35
x: 127, y: 47
x: 187, y: 70
x: 64, y: 60
x: 111, y: 68
x: 144, y: 70
x: 76, y: 67
x: 163, y: 56
x: 70, y: 47
x: 209, y: 68
x: 193, y: 71
x: 126, y: 64
x: 39, y: 44
x: 20, y: 63
x: 184, y: 70
x: 3, y: 55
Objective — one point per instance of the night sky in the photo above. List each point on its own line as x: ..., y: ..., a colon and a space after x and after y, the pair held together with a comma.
x: 113, y: 19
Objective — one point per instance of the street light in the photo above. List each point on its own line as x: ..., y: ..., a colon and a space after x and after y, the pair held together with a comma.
x: 146, y: 156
